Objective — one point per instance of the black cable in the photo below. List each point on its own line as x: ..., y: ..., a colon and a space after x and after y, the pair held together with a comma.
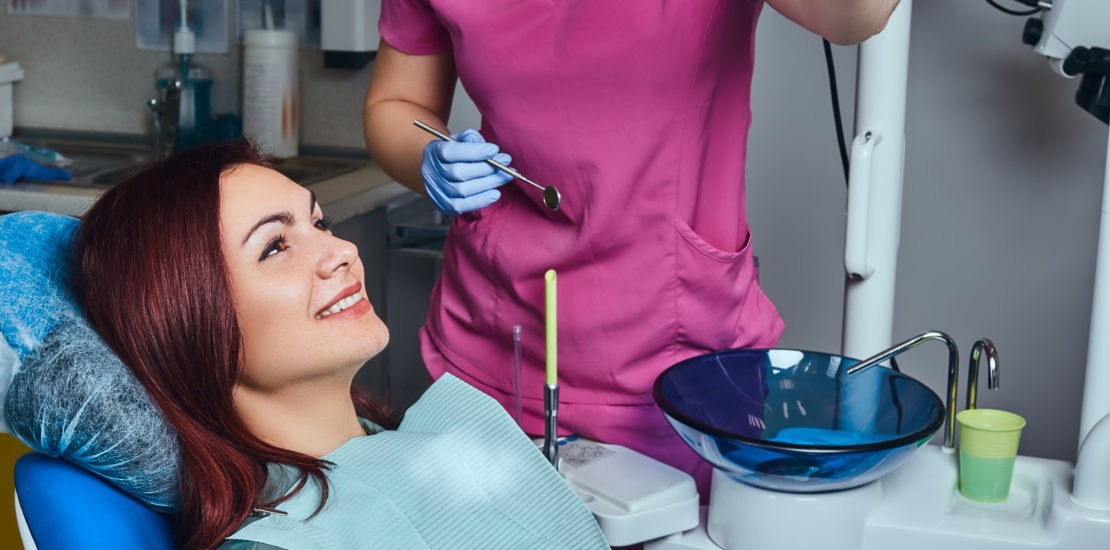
x: 836, y: 96
x: 1004, y: 9
x: 836, y: 109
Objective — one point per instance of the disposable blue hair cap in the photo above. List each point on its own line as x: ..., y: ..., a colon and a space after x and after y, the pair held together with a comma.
x: 65, y: 393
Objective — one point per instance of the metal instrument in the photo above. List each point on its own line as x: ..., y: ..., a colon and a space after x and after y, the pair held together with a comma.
x: 551, y: 423
x: 953, y: 368
x: 551, y: 197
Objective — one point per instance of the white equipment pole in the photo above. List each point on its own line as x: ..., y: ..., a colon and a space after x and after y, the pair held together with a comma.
x: 875, y: 187
x: 1096, y: 387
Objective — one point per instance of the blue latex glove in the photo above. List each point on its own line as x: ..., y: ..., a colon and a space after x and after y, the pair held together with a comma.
x: 456, y: 176
x: 16, y: 167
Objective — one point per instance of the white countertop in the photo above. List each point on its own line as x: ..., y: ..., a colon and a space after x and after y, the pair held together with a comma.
x: 342, y: 197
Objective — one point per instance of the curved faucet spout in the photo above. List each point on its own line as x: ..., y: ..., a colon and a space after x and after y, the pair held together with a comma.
x: 953, y: 367
x: 982, y: 348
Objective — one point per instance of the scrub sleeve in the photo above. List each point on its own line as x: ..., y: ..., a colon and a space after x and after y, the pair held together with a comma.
x: 638, y: 111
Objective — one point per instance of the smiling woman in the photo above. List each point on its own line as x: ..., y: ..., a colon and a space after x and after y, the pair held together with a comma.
x: 304, y: 317
x: 219, y: 284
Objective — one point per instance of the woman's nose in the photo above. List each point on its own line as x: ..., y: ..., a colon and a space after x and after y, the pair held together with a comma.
x: 337, y: 257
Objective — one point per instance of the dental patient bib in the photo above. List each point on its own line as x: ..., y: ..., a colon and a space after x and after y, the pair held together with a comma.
x: 457, y: 473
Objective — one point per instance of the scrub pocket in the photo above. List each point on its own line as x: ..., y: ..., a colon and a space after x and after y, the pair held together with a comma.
x: 719, y: 302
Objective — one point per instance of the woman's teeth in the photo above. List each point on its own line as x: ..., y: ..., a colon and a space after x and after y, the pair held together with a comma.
x: 340, y: 305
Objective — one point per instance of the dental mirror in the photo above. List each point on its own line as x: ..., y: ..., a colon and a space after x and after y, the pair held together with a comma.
x: 551, y: 197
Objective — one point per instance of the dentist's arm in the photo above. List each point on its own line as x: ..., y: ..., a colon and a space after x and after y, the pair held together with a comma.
x: 404, y: 88
x: 840, y: 21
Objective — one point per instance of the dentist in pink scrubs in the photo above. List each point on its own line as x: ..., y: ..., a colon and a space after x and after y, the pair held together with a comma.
x: 638, y: 112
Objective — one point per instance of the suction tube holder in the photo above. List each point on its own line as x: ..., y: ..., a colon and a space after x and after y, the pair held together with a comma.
x: 856, y: 261
x: 551, y: 417
x: 1093, y: 66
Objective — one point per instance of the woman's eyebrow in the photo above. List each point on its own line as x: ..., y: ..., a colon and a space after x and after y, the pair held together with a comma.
x: 283, y: 217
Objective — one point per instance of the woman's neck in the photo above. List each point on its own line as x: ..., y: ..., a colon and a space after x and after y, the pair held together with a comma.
x: 313, y: 418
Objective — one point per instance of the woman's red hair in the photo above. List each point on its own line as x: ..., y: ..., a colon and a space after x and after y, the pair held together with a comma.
x: 155, y: 285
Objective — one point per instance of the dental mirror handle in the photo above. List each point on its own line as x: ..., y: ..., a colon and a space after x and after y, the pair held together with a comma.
x: 551, y: 196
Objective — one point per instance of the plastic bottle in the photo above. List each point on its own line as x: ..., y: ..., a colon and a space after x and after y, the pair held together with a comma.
x: 271, y: 101
x: 195, y: 98
x: 195, y: 107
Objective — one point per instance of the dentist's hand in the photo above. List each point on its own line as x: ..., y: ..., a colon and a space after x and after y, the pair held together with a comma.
x: 456, y: 176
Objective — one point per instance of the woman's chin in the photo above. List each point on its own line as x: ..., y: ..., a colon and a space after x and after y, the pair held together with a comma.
x: 375, y: 346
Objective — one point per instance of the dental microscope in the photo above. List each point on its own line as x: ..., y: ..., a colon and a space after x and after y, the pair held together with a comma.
x: 1075, y: 36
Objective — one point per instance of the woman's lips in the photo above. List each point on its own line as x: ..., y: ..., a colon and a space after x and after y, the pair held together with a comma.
x: 346, y: 299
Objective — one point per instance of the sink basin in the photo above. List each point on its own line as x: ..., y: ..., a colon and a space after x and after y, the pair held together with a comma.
x: 793, y: 421
x: 103, y: 164
x: 100, y: 164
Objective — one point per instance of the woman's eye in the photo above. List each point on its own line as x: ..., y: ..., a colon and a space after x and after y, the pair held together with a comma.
x: 276, y: 245
x: 324, y: 223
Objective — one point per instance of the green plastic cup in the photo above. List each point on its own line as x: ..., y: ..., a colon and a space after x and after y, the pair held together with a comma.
x: 988, y: 447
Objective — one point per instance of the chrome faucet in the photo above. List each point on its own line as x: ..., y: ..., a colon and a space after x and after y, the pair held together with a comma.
x: 953, y: 367
x: 981, y: 348
x: 165, y: 111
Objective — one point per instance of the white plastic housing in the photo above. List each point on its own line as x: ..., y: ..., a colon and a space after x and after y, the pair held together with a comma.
x: 634, y: 498
x: 1091, y: 488
x: 1096, y: 384
x: 916, y: 507
x: 1072, y: 23
x: 349, y: 25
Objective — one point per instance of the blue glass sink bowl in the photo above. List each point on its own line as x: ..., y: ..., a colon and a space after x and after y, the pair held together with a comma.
x: 793, y: 421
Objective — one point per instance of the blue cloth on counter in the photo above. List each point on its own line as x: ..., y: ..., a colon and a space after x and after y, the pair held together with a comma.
x: 69, y: 395
x: 457, y: 473
x: 18, y: 167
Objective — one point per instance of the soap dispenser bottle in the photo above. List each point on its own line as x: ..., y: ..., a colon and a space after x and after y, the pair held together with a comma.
x: 186, y: 90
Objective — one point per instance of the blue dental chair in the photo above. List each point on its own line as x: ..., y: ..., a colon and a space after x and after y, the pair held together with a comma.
x: 62, y: 506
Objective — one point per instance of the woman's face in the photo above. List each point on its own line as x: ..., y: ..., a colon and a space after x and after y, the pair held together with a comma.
x: 298, y: 289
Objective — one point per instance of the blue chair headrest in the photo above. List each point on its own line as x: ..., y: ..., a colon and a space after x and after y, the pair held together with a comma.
x: 68, y: 507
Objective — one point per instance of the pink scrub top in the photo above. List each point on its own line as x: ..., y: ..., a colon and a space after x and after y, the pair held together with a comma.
x: 638, y: 112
